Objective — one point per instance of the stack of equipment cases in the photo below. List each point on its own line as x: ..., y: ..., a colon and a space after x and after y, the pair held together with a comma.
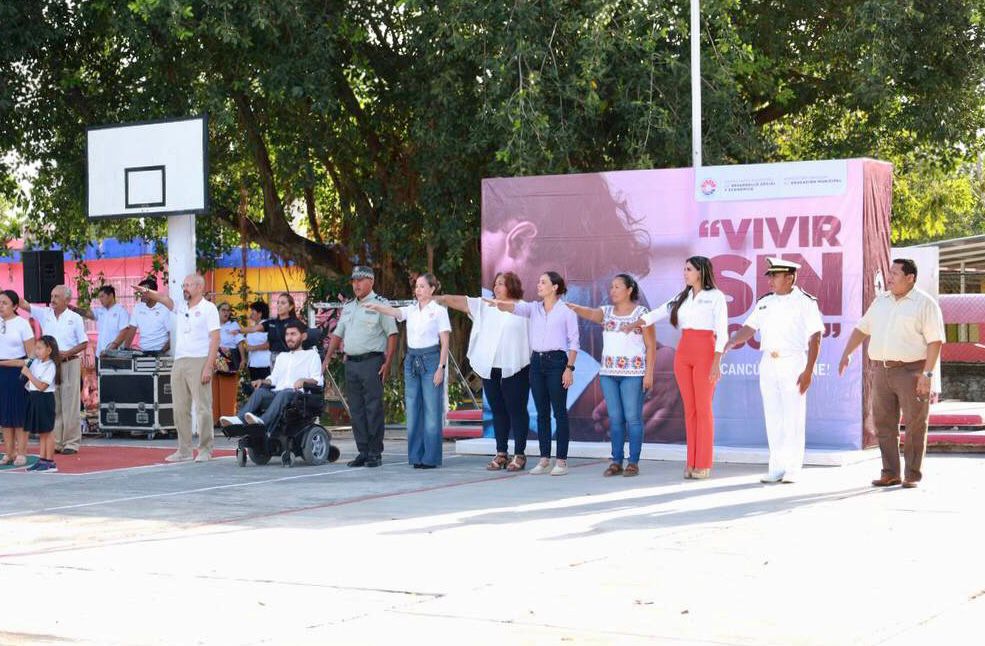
x: 135, y: 395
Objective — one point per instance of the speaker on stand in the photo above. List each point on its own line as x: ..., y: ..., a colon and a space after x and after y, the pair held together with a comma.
x: 43, y: 271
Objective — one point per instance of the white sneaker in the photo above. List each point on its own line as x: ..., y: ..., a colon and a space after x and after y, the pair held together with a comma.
x: 560, y: 468
x: 252, y: 419
x: 203, y: 456
x: 770, y: 478
x: 541, y: 468
x: 790, y: 478
x: 178, y: 456
x: 230, y: 420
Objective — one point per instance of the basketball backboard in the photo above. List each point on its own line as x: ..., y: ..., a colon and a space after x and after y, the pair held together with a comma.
x: 148, y: 168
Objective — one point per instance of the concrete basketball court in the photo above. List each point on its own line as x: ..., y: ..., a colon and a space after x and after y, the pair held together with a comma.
x: 217, y: 554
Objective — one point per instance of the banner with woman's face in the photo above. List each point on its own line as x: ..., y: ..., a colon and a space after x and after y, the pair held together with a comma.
x: 646, y: 223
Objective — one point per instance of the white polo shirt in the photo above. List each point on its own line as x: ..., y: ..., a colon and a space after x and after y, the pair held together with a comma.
x: 193, y: 326
x: 424, y: 325
x: 153, y: 324
x: 68, y: 329
x: 109, y: 322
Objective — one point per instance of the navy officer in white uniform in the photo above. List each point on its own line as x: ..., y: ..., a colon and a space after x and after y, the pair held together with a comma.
x: 790, y: 327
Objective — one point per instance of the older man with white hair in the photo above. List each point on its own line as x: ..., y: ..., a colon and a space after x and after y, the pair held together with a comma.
x: 195, y: 349
x: 68, y: 329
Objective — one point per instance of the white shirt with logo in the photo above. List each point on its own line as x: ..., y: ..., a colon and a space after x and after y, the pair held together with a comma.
x: 786, y: 323
x: 109, y: 322
x: 193, y: 326
x: 153, y: 324
x: 706, y: 311
x: 68, y: 329
x: 424, y: 325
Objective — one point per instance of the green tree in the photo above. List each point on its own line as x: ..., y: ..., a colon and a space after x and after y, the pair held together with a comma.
x: 360, y: 131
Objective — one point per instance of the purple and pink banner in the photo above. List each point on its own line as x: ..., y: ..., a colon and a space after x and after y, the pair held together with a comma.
x: 832, y: 217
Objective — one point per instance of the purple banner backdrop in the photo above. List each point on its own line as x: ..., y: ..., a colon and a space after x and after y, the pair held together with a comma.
x: 590, y: 227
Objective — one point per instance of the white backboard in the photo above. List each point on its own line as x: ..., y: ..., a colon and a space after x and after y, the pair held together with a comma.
x: 145, y: 169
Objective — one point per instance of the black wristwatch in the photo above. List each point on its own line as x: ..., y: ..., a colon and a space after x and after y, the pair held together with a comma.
x: 571, y: 367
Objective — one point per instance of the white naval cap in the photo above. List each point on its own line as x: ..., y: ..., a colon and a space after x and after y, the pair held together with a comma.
x: 780, y: 266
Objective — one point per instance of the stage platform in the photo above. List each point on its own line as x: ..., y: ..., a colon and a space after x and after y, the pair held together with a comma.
x: 676, y: 452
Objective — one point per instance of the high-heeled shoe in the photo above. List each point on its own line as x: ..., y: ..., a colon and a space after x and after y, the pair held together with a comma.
x: 701, y: 474
x: 518, y: 463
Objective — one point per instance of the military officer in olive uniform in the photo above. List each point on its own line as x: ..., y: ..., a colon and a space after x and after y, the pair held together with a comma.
x: 790, y: 328
x: 370, y: 340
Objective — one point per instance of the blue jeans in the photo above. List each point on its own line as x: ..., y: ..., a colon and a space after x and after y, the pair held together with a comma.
x: 425, y: 406
x: 624, y: 400
x: 546, y: 369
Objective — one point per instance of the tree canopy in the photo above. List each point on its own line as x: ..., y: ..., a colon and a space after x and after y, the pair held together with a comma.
x: 359, y: 131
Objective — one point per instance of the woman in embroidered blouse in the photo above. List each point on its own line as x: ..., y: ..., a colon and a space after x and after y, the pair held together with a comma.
x: 553, y: 335
x: 626, y: 371
x: 428, y: 330
x: 499, y: 352
x: 701, y: 312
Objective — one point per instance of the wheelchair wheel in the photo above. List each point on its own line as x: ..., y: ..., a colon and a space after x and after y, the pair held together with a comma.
x: 317, y: 447
x: 258, y: 458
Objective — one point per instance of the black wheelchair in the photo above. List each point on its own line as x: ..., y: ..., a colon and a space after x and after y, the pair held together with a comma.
x: 297, y: 435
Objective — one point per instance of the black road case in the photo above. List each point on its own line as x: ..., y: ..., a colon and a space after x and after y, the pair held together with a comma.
x: 135, y: 395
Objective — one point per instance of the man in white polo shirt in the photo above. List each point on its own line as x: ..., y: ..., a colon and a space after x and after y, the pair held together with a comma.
x: 292, y: 371
x: 112, y: 320
x: 152, y: 321
x: 69, y: 331
x: 196, y: 345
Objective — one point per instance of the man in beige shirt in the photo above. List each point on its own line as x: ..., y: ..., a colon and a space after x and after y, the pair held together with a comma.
x: 905, y: 330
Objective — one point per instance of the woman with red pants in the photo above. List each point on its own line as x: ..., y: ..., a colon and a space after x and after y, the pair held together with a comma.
x: 701, y: 312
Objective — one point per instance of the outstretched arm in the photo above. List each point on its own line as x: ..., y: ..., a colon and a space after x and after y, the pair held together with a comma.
x: 593, y: 314
x: 155, y: 296
x: 455, y: 302
x: 386, y: 310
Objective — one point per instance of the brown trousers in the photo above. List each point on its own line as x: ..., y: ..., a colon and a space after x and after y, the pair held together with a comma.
x: 895, y: 390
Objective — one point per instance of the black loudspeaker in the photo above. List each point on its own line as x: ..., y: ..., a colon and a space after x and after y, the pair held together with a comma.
x: 43, y: 271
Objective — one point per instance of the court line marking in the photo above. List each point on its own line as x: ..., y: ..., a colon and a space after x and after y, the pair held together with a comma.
x: 263, y: 515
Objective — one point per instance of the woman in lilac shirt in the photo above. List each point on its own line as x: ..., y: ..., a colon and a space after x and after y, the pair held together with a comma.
x: 553, y: 332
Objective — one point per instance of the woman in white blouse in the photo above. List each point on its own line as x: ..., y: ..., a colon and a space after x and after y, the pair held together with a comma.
x: 499, y: 352
x: 16, y: 342
x: 428, y: 329
x: 701, y: 312
x: 626, y: 371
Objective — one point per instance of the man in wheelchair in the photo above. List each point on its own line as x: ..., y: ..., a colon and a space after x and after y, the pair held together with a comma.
x: 293, y: 371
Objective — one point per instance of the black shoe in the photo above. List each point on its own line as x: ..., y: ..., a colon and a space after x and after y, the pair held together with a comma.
x: 429, y: 466
x: 358, y: 461
x: 418, y: 465
x: 374, y: 462
x: 69, y: 451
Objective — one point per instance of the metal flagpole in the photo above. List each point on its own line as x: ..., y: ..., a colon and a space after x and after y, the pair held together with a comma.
x: 696, y: 83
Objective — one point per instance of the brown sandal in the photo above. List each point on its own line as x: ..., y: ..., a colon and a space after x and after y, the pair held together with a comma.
x: 613, y: 470
x: 631, y: 470
x: 499, y: 462
x: 519, y: 463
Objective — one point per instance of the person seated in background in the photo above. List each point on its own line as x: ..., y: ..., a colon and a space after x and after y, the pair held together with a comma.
x: 293, y: 370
